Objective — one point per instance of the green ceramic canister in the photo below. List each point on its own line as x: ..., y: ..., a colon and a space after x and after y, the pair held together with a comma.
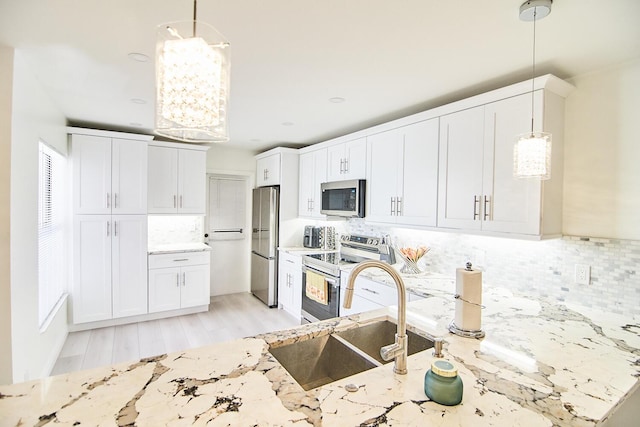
x: 442, y: 383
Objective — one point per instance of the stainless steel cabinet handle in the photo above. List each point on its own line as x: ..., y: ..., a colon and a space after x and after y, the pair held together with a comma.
x: 115, y: 228
x: 181, y: 259
x: 476, y: 205
x: 399, y: 206
x: 181, y: 201
x: 108, y: 228
x: 115, y: 200
x: 178, y: 280
x: 371, y: 291
x: 108, y: 200
x: 184, y: 279
x: 175, y: 205
x: 313, y: 202
x: 487, y: 212
x: 346, y: 165
x: 393, y: 206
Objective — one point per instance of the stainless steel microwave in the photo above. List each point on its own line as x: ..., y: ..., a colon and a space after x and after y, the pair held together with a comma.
x: 343, y: 198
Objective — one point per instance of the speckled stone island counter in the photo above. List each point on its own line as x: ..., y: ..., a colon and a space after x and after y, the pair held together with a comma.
x: 539, y: 365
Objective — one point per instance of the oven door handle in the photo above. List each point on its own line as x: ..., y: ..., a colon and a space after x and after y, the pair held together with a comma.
x: 334, y: 281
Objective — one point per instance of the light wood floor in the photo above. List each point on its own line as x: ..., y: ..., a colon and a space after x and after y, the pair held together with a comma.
x: 229, y: 317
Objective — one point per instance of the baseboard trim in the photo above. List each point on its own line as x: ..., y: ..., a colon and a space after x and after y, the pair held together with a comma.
x: 139, y: 318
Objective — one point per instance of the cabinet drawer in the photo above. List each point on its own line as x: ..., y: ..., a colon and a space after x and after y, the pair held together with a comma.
x: 179, y: 259
x: 293, y: 260
x: 376, y: 292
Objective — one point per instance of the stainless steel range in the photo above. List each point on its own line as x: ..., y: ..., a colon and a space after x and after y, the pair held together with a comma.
x: 354, y: 249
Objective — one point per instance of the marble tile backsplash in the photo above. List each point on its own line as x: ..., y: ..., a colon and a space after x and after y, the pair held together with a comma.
x: 175, y: 229
x: 542, y: 269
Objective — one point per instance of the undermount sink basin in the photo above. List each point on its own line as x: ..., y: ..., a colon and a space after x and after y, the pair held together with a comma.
x: 319, y: 361
x: 370, y: 338
x: 322, y: 360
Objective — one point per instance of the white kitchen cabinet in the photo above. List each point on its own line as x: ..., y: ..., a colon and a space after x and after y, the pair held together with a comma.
x: 460, y: 183
x: 109, y: 175
x: 347, y: 160
x: 177, y: 180
x: 290, y: 283
x: 402, y: 174
x: 367, y: 295
x: 477, y: 190
x: 313, y: 172
x: 268, y: 170
x: 110, y: 273
x: 178, y: 280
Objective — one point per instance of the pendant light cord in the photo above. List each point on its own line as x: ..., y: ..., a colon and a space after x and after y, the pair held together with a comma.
x: 195, y: 12
x: 533, y: 68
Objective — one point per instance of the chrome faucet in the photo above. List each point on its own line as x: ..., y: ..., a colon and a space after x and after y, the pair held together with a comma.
x: 397, y: 350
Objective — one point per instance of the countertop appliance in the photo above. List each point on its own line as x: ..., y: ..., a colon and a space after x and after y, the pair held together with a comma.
x: 311, y: 237
x: 343, y: 198
x: 319, y: 237
x: 354, y: 249
x: 264, y: 245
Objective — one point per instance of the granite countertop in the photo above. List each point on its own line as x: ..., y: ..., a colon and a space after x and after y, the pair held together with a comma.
x: 540, y: 364
x: 170, y: 248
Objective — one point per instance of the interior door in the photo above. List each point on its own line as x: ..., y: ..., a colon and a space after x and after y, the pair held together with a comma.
x: 229, y: 232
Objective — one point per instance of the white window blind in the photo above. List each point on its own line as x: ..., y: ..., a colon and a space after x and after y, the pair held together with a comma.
x: 51, y: 233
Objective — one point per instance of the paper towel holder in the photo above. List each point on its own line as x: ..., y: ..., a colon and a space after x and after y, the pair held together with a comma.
x: 466, y: 333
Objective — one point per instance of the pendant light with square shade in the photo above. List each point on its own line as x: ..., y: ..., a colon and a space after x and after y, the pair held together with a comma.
x: 192, y: 82
x: 532, y: 150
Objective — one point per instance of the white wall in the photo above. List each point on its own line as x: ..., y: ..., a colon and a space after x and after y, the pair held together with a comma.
x: 602, y: 154
x: 6, y: 80
x: 34, y: 117
x: 224, y: 157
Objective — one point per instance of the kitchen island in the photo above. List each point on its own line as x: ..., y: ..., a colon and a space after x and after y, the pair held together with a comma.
x: 540, y: 364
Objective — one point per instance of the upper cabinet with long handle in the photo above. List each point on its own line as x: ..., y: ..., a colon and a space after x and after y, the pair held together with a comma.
x: 403, y: 174
x: 177, y: 179
x: 347, y: 160
x: 109, y: 175
x: 268, y: 170
x: 477, y: 189
x: 313, y: 172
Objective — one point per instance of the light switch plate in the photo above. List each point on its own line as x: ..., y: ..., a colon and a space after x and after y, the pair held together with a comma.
x: 583, y: 274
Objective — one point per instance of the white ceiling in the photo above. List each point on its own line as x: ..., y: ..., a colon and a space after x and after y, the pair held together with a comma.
x: 288, y: 57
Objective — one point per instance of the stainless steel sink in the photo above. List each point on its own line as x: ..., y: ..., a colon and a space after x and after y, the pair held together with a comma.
x: 322, y: 360
x: 319, y: 361
x: 370, y: 338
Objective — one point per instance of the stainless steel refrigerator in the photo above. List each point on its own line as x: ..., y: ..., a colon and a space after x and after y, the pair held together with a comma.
x: 264, y: 245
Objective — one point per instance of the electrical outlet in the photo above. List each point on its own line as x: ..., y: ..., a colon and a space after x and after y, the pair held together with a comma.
x: 583, y: 274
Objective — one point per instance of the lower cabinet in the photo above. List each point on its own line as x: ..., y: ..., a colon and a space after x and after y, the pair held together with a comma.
x: 179, y: 280
x: 369, y: 295
x: 110, y: 267
x: 290, y: 283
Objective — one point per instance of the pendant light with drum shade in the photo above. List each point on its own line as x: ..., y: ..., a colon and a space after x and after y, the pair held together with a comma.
x: 192, y: 82
x: 532, y: 150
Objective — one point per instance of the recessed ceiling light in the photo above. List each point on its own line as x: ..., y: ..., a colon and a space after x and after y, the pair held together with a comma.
x: 138, y: 101
x: 287, y: 124
x: 139, y: 57
x: 337, y: 100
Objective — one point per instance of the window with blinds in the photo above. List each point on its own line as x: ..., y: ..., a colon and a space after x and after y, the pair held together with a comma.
x: 52, y: 271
